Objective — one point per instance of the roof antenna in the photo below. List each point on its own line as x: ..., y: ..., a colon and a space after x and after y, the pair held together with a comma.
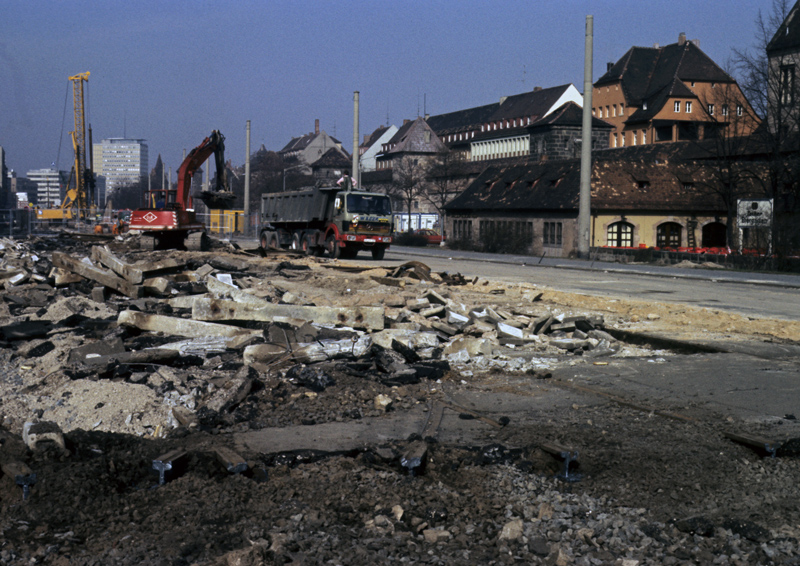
x: 125, y: 124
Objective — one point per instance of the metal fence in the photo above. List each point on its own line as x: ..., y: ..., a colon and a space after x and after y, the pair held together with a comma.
x: 22, y: 223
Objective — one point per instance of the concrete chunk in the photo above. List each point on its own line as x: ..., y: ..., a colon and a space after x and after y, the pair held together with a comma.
x: 370, y: 318
x: 180, y: 326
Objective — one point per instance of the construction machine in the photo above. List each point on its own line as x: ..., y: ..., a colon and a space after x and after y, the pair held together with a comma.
x: 83, y: 197
x: 168, y: 220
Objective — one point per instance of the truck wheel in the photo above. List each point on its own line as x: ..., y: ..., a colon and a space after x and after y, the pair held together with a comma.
x: 332, y: 244
x: 296, y: 245
x: 378, y: 252
x: 263, y: 241
x: 274, y: 242
x: 308, y: 246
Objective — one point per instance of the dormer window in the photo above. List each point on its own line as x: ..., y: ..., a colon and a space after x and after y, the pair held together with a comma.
x: 644, y: 105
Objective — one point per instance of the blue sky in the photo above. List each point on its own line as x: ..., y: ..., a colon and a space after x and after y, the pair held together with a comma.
x: 170, y: 71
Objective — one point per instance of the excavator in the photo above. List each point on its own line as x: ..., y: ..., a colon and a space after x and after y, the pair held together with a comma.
x: 168, y: 220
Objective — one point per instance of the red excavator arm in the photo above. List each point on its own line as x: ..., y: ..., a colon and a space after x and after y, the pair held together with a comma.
x: 215, y: 143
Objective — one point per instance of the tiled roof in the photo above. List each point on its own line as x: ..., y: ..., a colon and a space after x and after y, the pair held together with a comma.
x: 534, y: 104
x: 461, y: 120
x: 645, y: 72
x: 643, y: 178
x: 332, y: 158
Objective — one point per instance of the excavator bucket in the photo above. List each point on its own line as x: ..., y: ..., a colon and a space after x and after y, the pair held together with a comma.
x: 218, y: 200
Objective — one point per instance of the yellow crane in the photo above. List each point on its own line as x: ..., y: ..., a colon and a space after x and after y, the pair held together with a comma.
x: 84, y: 180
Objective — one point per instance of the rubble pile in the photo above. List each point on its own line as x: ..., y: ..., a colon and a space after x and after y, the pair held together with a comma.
x: 132, y: 385
x: 185, y: 341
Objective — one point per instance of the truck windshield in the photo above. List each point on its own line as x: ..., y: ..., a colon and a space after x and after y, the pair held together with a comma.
x: 368, y: 204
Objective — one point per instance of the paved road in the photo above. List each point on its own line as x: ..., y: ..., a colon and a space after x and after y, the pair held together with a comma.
x: 752, y: 294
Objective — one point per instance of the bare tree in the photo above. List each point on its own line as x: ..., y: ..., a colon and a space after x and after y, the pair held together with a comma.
x: 445, y: 181
x: 768, y: 74
x: 409, y: 176
x: 729, y: 122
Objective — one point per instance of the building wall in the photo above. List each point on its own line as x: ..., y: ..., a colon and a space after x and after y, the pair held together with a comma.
x: 535, y: 231
x: 645, y: 227
x: 609, y: 104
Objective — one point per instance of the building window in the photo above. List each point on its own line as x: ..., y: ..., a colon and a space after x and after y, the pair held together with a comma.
x: 688, y: 106
x: 739, y: 110
x: 608, y: 112
x: 644, y: 137
x: 669, y: 235
x: 622, y: 109
x: 710, y: 109
x: 677, y: 106
x: 622, y: 139
x: 635, y: 135
x: 552, y: 234
x: 787, y: 84
x: 613, y: 109
x: 620, y: 235
x: 724, y: 109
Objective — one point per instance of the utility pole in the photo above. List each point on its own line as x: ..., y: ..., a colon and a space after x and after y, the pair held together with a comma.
x: 584, y: 207
x: 247, y: 181
x: 356, y: 173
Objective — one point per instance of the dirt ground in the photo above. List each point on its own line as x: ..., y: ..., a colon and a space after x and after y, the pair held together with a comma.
x: 652, y: 489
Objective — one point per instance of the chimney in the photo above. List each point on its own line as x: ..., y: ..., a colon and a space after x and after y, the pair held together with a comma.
x: 656, y: 46
x: 609, y: 65
x: 537, y: 88
x: 681, y: 38
x: 316, y: 126
x: 406, y: 121
x: 366, y: 138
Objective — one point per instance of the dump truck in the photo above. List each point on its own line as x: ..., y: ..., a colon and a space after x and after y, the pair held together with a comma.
x: 339, y: 220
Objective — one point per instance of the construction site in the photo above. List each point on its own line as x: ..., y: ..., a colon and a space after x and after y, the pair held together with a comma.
x: 243, y: 407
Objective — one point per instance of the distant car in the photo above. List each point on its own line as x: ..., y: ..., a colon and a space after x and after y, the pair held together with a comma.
x: 432, y: 236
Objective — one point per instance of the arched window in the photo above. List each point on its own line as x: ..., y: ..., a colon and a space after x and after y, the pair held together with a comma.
x: 715, y: 235
x: 669, y: 235
x: 620, y: 235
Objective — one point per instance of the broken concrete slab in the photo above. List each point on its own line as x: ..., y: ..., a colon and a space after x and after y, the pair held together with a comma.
x: 133, y: 273
x: 96, y: 349
x: 370, y: 318
x: 102, y: 276
x: 222, y: 290
x: 180, y: 326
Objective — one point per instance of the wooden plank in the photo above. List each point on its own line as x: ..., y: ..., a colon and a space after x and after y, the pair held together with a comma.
x: 107, y: 278
x: 370, y: 318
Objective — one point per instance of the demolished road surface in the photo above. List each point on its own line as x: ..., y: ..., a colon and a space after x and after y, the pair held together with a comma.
x: 227, y: 408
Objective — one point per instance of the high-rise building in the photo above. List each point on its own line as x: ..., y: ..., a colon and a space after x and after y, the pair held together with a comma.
x: 48, y: 192
x: 121, y: 161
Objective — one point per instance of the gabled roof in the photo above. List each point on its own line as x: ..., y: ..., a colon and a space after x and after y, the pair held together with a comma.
x: 332, y: 158
x: 299, y: 144
x: 788, y: 35
x: 569, y: 114
x: 411, y: 139
x: 645, y: 72
x: 374, y: 137
x: 535, y: 104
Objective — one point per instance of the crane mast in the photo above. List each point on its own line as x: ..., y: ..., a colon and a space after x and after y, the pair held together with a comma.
x: 83, y: 180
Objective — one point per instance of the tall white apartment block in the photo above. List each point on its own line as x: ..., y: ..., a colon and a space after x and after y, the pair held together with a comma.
x: 121, y: 161
x: 48, y: 182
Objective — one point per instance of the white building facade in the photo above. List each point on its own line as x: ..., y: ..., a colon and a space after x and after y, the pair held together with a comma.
x: 121, y: 161
x: 48, y: 182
